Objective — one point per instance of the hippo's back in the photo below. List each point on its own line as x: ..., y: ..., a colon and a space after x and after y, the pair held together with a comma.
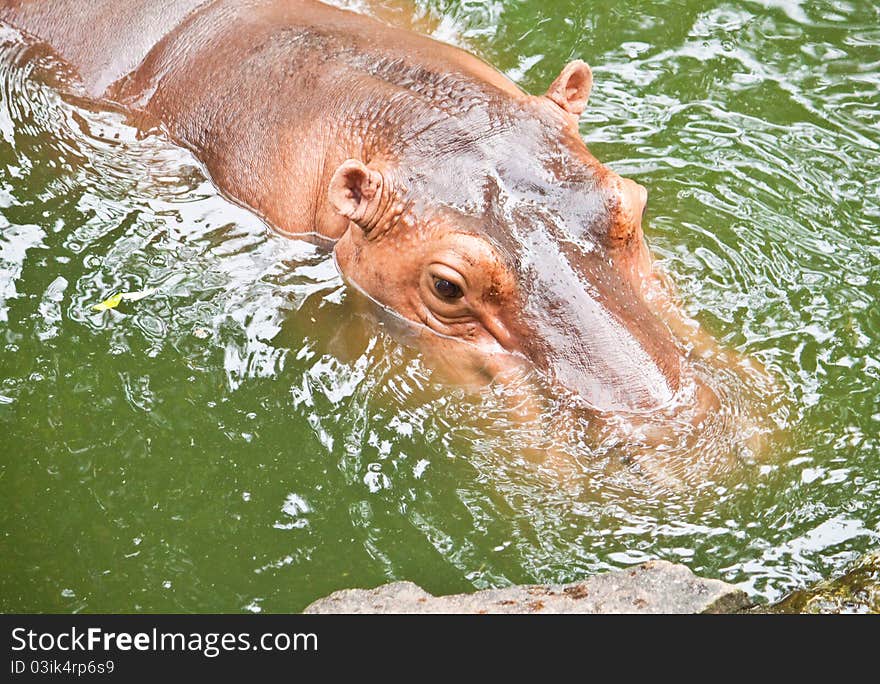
x: 107, y: 40
x: 103, y: 39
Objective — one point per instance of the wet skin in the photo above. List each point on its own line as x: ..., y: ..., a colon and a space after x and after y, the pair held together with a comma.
x: 453, y: 198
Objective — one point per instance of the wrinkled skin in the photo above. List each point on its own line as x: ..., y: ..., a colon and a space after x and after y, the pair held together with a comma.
x: 454, y: 198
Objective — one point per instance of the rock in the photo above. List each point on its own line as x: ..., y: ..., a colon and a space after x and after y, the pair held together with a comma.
x: 857, y: 591
x: 653, y: 587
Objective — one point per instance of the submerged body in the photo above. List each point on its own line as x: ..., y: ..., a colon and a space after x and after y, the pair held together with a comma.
x: 453, y: 198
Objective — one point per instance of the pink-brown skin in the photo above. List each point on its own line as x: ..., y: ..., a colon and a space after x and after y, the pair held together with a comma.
x: 454, y: 198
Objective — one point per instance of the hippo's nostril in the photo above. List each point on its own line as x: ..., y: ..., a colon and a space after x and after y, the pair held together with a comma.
x: 642, y: 198
x: 635, y: 198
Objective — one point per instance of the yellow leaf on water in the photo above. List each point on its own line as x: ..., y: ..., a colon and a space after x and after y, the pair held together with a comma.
x: 114, y: 300
x: 110, y: 303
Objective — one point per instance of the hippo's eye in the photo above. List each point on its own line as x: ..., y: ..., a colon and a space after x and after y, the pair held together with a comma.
x: 447, y: 289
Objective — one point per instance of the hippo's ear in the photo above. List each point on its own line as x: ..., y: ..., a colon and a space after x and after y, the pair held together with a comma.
x: 571, y: 89
x: 355, y: 192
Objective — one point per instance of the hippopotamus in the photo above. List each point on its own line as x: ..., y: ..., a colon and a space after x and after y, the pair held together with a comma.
x: 451, y: 197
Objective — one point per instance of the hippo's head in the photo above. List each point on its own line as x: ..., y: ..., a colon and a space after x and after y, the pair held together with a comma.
x: 493, y: 225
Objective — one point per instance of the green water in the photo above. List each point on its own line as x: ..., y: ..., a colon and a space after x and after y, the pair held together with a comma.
x: 247, y: 438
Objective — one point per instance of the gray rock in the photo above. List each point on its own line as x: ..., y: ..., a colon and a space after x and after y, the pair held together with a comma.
x: 653, y: 587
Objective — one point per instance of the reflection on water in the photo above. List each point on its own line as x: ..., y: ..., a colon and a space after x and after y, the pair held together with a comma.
x: 249, y: 437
